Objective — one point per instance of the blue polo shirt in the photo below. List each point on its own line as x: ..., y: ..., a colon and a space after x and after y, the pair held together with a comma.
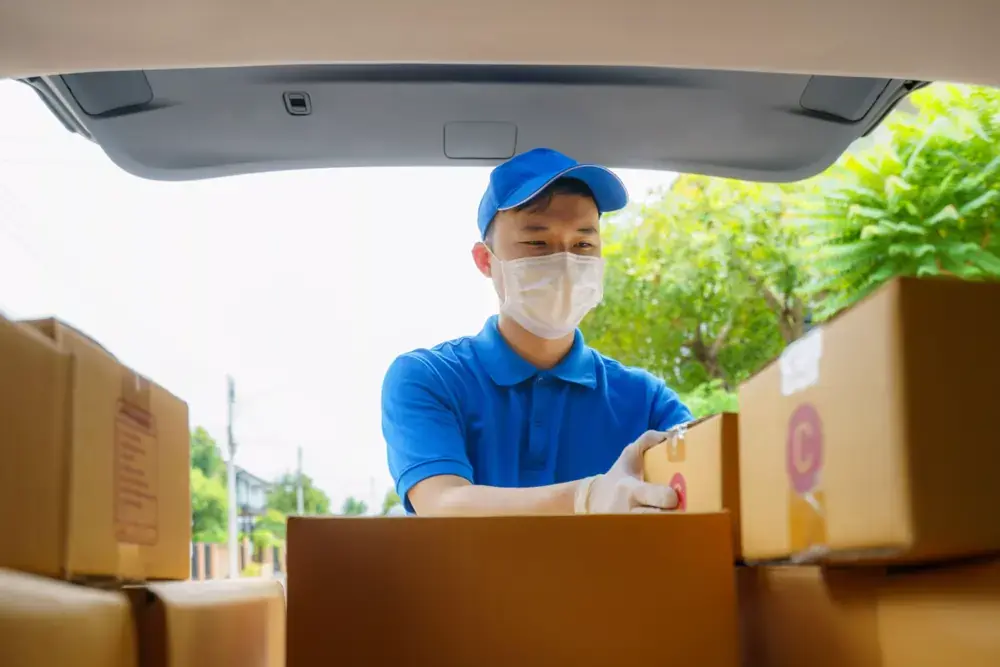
x: 472, y: 407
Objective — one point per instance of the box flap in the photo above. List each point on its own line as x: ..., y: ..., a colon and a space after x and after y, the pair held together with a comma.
x: 55, y: 330
x: 50, y: 623
x: 226, y: 622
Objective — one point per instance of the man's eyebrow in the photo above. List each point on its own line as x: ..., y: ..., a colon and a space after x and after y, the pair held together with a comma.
x: 588, y: 230
x: 534, y: 228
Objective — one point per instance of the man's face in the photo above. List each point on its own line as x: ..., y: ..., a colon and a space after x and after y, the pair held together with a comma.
x: 568, y: 223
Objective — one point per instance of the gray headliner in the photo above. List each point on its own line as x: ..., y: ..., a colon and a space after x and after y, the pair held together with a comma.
x: 205, y: 123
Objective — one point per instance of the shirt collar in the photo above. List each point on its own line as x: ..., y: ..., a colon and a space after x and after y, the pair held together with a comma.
x: 507, y: 368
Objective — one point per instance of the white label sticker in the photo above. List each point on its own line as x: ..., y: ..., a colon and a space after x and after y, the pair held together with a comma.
x: 800, y: 363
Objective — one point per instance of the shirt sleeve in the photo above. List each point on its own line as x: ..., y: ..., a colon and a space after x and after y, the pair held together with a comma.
x: 422, y: 430
x: 668, y: 410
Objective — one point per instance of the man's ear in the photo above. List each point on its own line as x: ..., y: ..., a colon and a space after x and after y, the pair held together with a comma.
x: 482, y: 256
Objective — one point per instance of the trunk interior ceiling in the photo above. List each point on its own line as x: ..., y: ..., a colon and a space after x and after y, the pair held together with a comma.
x: 203, y: 123
x: 768, y: 90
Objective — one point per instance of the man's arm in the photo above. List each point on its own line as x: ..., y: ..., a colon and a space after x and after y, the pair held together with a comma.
x: 448, y: 495
x: 667, y: 410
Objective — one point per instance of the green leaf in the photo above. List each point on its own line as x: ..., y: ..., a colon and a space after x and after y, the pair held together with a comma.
x: 976, y: 179
x: 866, y: 212
x: 949, y: 212
x: 979, y: 202
x: 928, y: 267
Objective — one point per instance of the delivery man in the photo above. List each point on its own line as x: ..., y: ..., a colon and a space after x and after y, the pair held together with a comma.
x: 524, y: 418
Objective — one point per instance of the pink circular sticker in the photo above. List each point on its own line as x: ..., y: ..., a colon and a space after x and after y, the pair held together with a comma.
x: 679, y: 484
x: 804, y: 455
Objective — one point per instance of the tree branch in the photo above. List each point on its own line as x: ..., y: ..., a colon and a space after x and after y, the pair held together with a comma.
x: 720, y: 340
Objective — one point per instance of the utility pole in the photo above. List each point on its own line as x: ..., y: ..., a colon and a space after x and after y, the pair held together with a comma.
x: 299, y: 491
x: 234, y: 560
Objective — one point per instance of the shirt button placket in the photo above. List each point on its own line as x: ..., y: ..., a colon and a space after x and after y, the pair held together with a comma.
x: 537, y: 445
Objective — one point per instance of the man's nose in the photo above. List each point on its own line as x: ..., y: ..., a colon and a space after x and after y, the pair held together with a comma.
x: 562, y: 245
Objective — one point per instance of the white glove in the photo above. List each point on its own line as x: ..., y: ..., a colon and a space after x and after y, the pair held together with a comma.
x: 622, y: 489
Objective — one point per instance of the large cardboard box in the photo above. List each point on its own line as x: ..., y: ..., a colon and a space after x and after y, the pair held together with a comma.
x: 97, y: 461
x: 946, y: 615
x: 210, y: 623
x: 701, y: 462
x: 797, y: 616
x: 860, y: 617
x: 874, y: 438
x: 34, y: 416
x: 46, y: 623
x: 589, y: 591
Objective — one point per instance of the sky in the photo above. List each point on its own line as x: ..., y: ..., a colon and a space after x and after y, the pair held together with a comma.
x: 303, y: 286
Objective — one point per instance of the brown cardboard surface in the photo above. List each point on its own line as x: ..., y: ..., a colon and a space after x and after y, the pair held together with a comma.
x: 796, y: 616
x: 104, y: 451
x: 210, y: 623
x: 571, y: 590
x: 34, y: 413
x: 45, y: 623
x: 869, y: 617
x: 946, y: 616
x: 702, y: 464
x: 874, y: 437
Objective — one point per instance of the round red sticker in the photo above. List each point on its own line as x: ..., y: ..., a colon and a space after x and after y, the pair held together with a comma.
x: 804, y: 454
x: 679, y: 484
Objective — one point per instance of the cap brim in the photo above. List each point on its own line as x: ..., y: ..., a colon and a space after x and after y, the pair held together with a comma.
x: 609, y: 191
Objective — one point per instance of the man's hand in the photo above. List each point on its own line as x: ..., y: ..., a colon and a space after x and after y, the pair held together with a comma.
x: 622, y: 489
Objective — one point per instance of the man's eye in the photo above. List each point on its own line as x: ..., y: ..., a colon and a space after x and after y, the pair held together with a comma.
x: 585, y: 244
x: 537, y: 244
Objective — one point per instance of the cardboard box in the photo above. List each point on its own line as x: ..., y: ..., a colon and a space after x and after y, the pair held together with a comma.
x: 34, y: 383
x: 238, y: 622
x: 701, y: 462
x: 98, y: 461
x: 796, y: 616
x: 874, y: 437
x: 946, y: 615
x: 501, y: 591
x: 52, y: 623
x: 807, y: 615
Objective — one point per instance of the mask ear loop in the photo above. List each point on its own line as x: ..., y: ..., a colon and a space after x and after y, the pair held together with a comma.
x: 497, y: 264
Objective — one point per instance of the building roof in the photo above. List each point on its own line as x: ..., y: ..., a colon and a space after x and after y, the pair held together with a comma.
x: 246, y: 474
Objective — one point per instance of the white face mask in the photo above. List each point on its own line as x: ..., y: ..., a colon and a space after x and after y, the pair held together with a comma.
x: 550, y: 295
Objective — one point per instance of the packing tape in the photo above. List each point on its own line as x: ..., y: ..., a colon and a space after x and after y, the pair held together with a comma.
x: 676, y: 448
x: 674, y: 438
x: 807, y: 525
x: 130, y: 563
x: 135, y: 389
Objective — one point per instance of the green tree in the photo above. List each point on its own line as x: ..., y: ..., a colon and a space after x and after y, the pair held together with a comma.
x: 282, y: 496
x: 923, y: 199
x: 710, y: 398
x: 704, y: 284
x: 710, y: 280
x: 269, y: 529
x: 208, y: 508
x: 390, y: 502
x: 354, y: 507
x: 205, y: 454
x: 209, y: 511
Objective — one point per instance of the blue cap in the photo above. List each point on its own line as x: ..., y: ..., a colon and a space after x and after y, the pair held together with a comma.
x: 521, y: 178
